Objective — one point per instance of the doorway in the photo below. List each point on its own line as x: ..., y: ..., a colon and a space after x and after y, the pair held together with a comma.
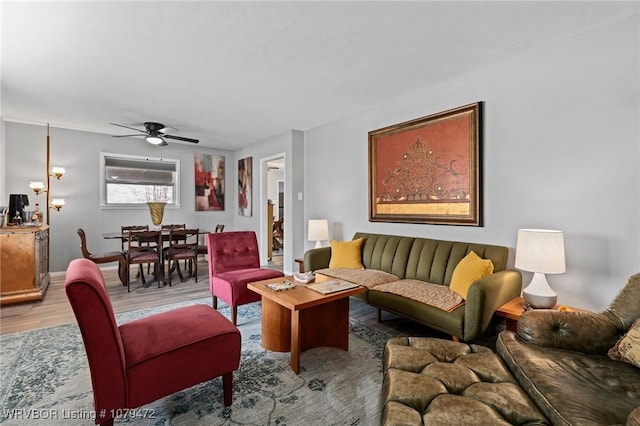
x: 275, y: 198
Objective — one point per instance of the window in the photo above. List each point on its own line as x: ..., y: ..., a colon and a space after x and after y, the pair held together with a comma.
x: 129, y: 180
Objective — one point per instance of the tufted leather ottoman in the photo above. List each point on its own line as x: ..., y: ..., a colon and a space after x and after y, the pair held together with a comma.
x: 435, y: 381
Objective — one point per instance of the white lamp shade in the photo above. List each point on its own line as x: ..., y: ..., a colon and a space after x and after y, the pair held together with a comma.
x: 540, y: 250
x: 36, y: 186
x: 155, y: 140
x: 318, y: 230
x: 57, y: 203
x: 57, y: 171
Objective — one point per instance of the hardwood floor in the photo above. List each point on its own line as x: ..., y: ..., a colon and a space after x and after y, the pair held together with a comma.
x: 55, y: 309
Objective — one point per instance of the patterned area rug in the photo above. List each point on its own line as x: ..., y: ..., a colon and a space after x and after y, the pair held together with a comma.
x: 45, y: 380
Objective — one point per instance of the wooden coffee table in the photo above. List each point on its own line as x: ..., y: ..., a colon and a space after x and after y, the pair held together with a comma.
x: 299, y: 319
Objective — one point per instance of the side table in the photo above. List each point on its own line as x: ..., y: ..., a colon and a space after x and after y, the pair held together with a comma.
x: 514, y: 308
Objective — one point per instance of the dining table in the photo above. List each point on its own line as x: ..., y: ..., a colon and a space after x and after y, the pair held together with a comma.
x: 165, y: 237
x: 165, y: 234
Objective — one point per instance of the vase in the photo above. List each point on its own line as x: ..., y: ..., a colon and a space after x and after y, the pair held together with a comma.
x: 156, y: 210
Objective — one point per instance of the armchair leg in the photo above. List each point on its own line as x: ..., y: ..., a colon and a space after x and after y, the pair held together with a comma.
x: 234, y: 315
x: 215, y: 302
x: 227, y: 388
x: 379, y: 315
x: 107, y: 422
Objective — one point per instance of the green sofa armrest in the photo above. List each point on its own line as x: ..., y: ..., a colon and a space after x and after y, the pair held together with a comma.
x: 315, y: 259
x: 582, y: 331
x: 485, y: 296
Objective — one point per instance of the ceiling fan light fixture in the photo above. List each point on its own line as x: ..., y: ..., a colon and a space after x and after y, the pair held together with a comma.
x: 155, y: 140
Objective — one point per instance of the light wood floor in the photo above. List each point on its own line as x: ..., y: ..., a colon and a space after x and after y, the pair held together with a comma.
x: 55, y: 309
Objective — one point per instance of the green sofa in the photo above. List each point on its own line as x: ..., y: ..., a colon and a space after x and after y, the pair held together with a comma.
x: 390, y: 257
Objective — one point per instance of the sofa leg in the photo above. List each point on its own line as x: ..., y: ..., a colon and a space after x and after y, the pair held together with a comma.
x: 215, y: 302
x: 227, y: 388
x: 107, y: 422
x: 234, y: 315
x: 379, y: 315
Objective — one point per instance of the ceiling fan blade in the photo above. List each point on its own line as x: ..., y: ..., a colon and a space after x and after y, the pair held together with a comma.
x: 127, y: 127
x: 166, y: 129
x: 125, y: 136
x: 180, y: 138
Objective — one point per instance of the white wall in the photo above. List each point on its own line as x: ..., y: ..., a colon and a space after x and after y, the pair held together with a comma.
x: 79, y: 153
x: 561, y: 150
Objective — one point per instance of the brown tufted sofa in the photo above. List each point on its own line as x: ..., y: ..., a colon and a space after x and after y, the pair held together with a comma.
x: 555, y: 370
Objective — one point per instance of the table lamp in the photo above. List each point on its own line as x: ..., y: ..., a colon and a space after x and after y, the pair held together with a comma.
x: 318, y: 231
x: 540, y: 251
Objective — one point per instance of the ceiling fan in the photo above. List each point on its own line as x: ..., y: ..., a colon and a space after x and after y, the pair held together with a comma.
x: 154, y: 133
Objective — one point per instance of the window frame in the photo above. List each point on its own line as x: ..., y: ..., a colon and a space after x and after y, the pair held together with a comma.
x: 103, y: 180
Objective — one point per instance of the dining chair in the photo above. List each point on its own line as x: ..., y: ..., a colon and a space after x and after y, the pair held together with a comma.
x: 140, y: 361
x: 202, y: 248
x: 107, y: 257
x: 183, y: 245
x: 144, y: 247
x: 124, y: 229
x: 169, y: 227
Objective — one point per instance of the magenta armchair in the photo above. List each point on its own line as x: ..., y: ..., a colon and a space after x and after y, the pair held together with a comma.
x: 234, y: 262
x: 143, y: 360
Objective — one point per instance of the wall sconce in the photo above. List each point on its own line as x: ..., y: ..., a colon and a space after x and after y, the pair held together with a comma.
x: 318, y: 231
x: 55, y: 172
x: 540, y: 251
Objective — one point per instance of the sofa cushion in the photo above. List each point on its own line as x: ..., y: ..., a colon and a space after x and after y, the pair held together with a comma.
x: 364, y: 277
x: 608, y: 390
x: 627, y: 349
x: 436, y: 381
x: 435, y: 295
x: 346, y: 254
x: 471, y: 268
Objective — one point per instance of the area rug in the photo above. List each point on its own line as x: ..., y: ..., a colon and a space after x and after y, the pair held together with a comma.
x: 45, y: 380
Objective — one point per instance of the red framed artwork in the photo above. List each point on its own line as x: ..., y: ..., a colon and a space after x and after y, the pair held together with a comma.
x: 427, y: 170
x: 209, y: 181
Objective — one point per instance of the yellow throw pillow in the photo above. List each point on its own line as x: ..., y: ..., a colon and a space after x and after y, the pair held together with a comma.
x: 627, y: 349
x: 471, y: 268
x: 346, y: 254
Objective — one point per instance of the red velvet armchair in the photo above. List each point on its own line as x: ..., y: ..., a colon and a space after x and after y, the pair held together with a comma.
x: 233, y: 263
x: 143, y: 360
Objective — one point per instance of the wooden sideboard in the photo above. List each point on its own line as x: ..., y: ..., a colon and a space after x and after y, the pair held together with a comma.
x: 24, y: 264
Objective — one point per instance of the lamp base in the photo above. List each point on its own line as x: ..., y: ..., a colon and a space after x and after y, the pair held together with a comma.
x: 538, y: 293
x: 318, y: 244
x: 539, y: 302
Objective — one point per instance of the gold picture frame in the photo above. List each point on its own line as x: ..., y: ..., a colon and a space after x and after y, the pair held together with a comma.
x: 428, y: 170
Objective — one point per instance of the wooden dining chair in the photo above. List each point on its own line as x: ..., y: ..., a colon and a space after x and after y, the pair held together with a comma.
x: 202, y: 248
x: 183, y: 245
x: 144, y: 247
x: 169, y: 227
x: 124, y: 230
x: 107, y: 257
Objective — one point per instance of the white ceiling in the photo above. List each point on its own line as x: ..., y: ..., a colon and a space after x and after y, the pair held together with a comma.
x: 235, y: 73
